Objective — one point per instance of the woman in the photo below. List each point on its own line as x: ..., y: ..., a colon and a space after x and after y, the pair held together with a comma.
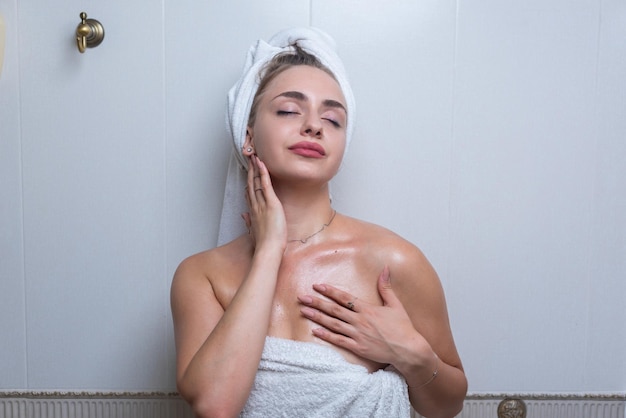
x: 311, y: 313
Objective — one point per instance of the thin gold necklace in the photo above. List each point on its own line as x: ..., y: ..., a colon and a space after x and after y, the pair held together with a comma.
x: 304, y: 240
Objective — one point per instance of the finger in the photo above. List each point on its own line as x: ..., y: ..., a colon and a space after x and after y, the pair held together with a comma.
x: 262, y: 174
x: 253, y: 173
x: 256, y: 176
x: 247, y: 193
x: 254, y: 191
x: 250, y: 175
x: 384, y: 289
x: 345, y: 299
x: 338, y: 340
x: 265, y: 179
x: 246, y: 218
x: 330, y: 308
x: 329, y: 322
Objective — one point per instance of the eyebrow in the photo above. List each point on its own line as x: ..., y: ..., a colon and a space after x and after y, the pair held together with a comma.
x: 303, y: 98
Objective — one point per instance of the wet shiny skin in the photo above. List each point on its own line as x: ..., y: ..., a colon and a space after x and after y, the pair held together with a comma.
x: 344, y: 263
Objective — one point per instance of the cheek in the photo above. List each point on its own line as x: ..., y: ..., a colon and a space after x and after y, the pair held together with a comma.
x: 338, y: 158
x: 340, y: 147
x: 264, y: 147
x: 267, y: 140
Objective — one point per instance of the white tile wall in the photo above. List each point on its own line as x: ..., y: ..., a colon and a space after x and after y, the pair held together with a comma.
x: 523, y: 178
x: 489, y: 133
x: 92, y: 143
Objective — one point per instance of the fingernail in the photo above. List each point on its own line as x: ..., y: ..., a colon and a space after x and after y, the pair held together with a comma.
x: 319, y: 287
x: 308, y: 312
x: 318, y: 332
x: 305, y: 299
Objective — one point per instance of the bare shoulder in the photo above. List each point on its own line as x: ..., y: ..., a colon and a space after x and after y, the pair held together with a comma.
x: 404, y: 258
x: 208, y: 270
x: 192, y: 279
x: 208, y: 262
x: 413, y: 277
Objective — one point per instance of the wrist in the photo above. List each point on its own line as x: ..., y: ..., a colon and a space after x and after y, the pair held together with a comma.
x: 269, y: 252
x: 420, y: 367
x: 433, y: 375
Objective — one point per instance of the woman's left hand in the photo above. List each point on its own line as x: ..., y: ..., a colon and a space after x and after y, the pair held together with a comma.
x: 384, y: 334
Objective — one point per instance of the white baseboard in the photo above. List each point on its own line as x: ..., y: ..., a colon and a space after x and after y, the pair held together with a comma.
x: 170, y: 405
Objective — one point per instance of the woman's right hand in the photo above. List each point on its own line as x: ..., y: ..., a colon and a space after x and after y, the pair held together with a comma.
x: 266, y: 219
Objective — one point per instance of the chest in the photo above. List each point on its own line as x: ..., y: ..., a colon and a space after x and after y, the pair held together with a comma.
x: 348, y: 269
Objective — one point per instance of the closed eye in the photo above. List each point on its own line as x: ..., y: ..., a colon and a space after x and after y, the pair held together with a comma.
x: 333, y: 122
x: 286, y: 112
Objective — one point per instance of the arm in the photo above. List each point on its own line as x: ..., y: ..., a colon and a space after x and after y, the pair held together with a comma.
x: 420, y: 333
x: 218, y: 350
x: 431, y: 345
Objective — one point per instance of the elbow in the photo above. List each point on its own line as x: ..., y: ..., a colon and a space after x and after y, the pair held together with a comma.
x: 205, y: 410
x: 450, y: 411
x: 456, y: 406
x: 448, y: 406
x: 204, y: 406
x: 455, y: 411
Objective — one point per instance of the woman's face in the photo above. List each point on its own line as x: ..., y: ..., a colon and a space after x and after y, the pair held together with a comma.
x: 300, y: 127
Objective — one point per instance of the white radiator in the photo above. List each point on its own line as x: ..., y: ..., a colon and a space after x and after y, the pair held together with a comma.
x: 163, y: 405
x: 92, y: 405
x: 548, y: 406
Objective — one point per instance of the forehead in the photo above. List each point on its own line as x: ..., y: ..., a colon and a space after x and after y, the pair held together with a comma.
x: 309, y: 80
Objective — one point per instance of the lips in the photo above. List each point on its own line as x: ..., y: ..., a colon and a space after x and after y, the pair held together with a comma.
x: 308, y: 149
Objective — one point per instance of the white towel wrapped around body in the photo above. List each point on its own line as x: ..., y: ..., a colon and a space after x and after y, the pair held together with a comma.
x: 303, y: 379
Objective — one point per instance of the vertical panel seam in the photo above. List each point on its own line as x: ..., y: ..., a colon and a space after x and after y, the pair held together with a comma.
x: 453, y: 105
x: 592, y: 206
x: 22, y: 199
x: 165, y: 137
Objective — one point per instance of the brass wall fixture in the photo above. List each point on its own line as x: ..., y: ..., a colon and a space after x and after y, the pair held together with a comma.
x: 512, y: 408
x: 89, y: 33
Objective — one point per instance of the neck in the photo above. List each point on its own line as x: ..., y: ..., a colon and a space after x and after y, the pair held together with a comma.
x: 307, y: 210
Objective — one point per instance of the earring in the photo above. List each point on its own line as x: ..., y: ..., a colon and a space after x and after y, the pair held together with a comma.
x: 249, y: 149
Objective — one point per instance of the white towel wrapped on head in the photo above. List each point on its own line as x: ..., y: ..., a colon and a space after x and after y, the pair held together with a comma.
x: 302, y: 379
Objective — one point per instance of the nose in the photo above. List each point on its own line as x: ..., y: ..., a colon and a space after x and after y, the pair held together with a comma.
x: 312, y: 127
